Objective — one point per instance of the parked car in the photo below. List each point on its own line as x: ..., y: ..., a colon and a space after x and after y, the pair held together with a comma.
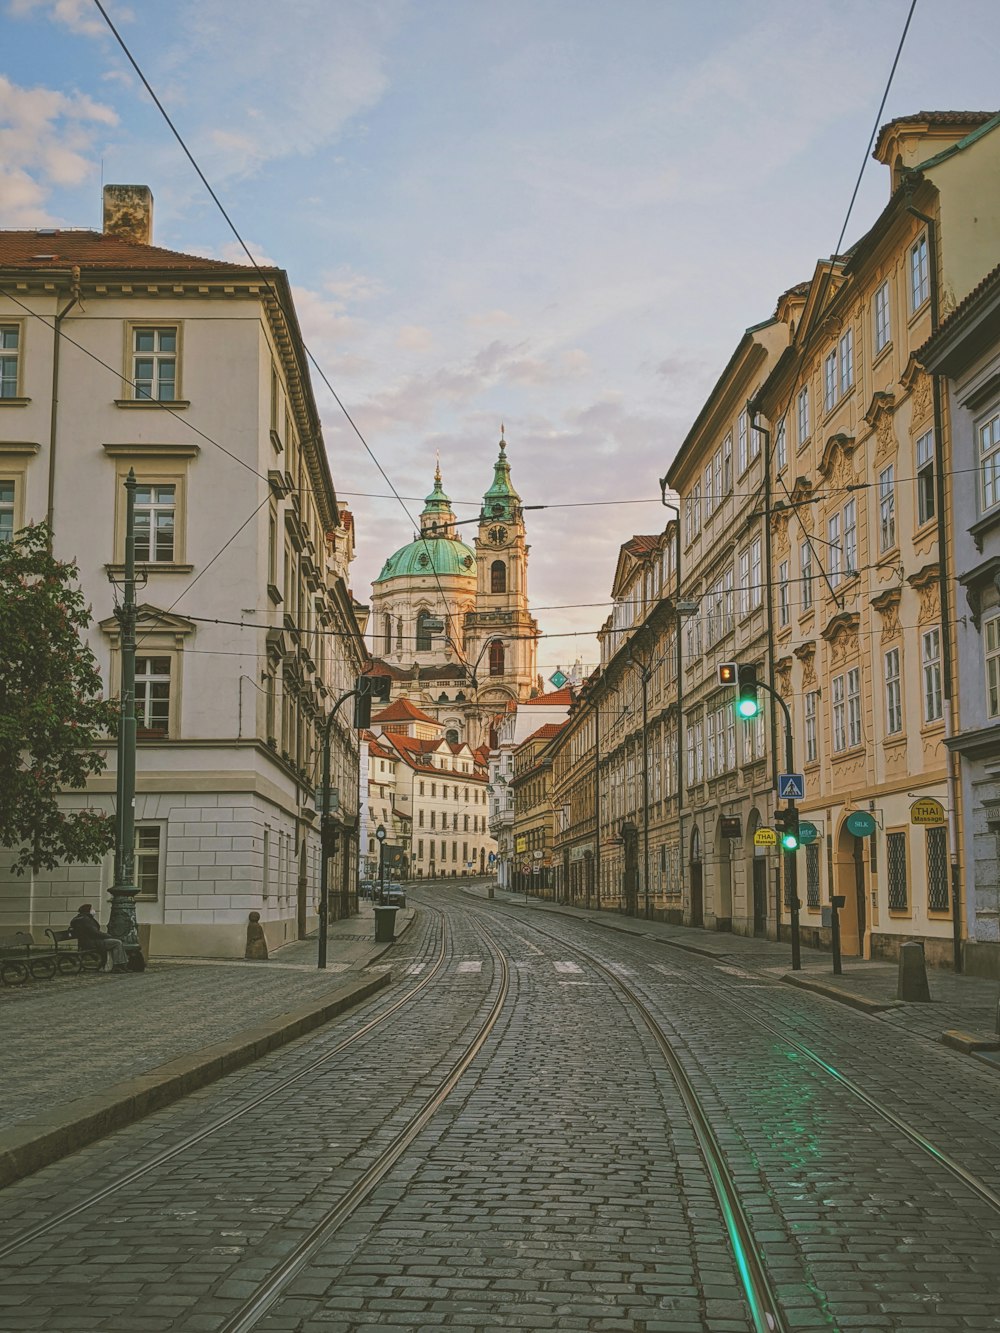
x: 395, y: 896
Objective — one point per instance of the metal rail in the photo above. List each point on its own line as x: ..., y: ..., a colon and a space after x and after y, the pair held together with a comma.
x: 765, y: 1311
x: 129, y: 1178
x: 273, y: 1287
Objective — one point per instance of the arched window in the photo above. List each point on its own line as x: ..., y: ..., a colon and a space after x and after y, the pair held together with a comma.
x: 498, y: 576
x: 496, y: 658
x: 423, y: 634
x: 451, y: 736
x: 399, y: 635
x: 388, y: 633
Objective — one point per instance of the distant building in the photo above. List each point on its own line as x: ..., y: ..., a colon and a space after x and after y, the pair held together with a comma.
x: 450, y: 621
x: 193, y: 373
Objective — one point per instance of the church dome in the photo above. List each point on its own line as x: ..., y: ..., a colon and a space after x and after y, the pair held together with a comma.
x: 430, y: 555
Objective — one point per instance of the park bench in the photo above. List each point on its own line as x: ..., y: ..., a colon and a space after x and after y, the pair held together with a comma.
x: 22, y: 959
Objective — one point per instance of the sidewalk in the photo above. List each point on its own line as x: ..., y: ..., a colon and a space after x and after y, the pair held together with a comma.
x: 959, y: 1004
x: 84, y: 1055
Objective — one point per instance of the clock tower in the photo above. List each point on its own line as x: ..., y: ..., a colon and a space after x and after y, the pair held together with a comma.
x: 501, y: 634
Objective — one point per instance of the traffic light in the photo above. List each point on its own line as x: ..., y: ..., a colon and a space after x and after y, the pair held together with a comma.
x: 786, y: 825
x: 329, y: 837
x: 728, y: 673
x: 369, y: 688
x: 747, y: 702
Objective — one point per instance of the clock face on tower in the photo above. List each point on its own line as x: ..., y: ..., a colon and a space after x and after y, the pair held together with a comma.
x: 498, y: 536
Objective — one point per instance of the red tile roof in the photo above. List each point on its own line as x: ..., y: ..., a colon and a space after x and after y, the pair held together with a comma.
x: 971, y: 118
x: 563, y: 696
x: 640, y: 545
x: 403, y: 711
x: 545, y: 732
x: 93, y: 249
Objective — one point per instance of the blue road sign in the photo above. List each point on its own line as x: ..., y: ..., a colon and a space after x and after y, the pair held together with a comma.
x: 791, y: 787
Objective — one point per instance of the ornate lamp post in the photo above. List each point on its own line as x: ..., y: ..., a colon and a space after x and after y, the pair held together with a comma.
x: 380, y: 834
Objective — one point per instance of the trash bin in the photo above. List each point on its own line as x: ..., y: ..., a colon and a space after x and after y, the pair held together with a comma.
x: 385, y: 924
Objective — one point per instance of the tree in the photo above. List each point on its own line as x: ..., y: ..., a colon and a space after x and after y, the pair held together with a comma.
x: 52, y: 713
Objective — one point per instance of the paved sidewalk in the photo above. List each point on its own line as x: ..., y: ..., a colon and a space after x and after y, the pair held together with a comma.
x: 86, y: 1054
x: 958, y: 1003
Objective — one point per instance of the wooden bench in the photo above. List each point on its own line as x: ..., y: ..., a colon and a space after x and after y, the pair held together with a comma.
x: 76, y: 959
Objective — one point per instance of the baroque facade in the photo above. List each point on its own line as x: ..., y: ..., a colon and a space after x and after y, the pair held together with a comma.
x: 451, y: 625
x: 192, y: 373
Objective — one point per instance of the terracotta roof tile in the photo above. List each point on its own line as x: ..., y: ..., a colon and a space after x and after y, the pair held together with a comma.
x: 403, y: 711
x: 932, y: 118
x: 93, y: 249
x: 563, y: 696
x: 641, y: 545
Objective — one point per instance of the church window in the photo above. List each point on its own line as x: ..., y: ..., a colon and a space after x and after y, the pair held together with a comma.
x: 399, y: 635
x: 388, y: 634
x: 451, y: 735
x: 498, y: 576
x: 423, y: 633
x: 496, y: 658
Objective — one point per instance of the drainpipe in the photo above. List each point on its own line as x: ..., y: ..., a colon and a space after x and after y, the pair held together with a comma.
x: 74, y: 288
x: 947, y: 666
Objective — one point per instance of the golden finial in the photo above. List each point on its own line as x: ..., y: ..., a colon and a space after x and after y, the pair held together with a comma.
x: 437, y: 465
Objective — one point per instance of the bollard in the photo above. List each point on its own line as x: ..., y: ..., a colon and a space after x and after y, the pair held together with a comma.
x: 912, y: 982
x: 385, y: 925
x: 256, y: 939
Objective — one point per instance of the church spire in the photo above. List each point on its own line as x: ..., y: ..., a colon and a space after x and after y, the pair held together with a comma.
x: 437, y: 518
x: 501, y: 500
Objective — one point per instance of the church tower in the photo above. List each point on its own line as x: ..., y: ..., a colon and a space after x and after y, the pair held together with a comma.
x: 501, y: 634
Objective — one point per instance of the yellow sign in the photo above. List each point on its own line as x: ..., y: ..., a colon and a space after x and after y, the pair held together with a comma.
x: 520, y: 844
x: 927, y: 811
x: 765, y: 837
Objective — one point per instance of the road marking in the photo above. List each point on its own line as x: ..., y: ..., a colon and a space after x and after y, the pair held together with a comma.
x: 665, y: 971
x: 415, y: 969
x: 619, y: 970
x: 567, y: 967
x: 471, y: 966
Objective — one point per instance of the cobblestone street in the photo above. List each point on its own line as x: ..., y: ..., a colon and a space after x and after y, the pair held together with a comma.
x: 559, y: 1182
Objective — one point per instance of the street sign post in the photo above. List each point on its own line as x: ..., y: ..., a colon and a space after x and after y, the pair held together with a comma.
x: 927, y: 811
x: 791, y: 786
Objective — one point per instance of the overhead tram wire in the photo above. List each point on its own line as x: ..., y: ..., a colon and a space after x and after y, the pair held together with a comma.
x: 276, y: 297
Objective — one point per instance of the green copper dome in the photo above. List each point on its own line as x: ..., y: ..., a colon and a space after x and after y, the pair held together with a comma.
x: 430, y: 555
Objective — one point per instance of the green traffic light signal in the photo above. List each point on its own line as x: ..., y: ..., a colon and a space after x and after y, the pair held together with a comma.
x: 786, y: 823
x: 747, y: 702
x: 790, y: 842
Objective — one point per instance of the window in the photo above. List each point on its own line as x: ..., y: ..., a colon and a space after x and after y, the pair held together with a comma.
x: 930, y: 656
x: 807, y: 575
x: 387, y: 634
x: 830, y: 381
x: 880, y: 312
x: 710, y: 495
x: 991, y: 652
x: 783, y: 593
x: 742, y: 457
x: 755, y: 438
x: 147, y: 861
x: 839, y: 728
x: 154, y: 363
x: 744, y: 582
x: 152, y: 694
x: 853, y: 707
x: 424, y: 642
x: 10, y: 359
x: 989, y: 462
x: 420, y: 817
x: 781, y: 447
x: 893, y: 694
x: 496, y: 658
x: 812, y: 748
x: 846, y: 351
x: 937, y: 869
x: 696, y: 508
x: 802, y: 414
x: 756, y: 578
x: 850, y: 538
x: 727, y: 464
x: 895, y: 849
x: 835, y: 553
x: 919, y: 274
x: 925, y: 477
x: 887, y: 508
x: 6, y: 511
x: 399, y: 634
x: 154, y: 523
x: 498, y: 576
x: 812, y: 875
x: 717, y: 482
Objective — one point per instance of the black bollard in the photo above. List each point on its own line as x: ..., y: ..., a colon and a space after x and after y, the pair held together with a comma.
x: 912, y: 982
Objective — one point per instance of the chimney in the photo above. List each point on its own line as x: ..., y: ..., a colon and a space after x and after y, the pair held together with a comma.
x: 128, y: 213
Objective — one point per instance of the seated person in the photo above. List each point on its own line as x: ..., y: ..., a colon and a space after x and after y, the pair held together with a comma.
x: 86, y: 930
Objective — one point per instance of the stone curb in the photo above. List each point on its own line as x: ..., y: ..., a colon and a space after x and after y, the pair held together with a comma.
x: 842, y: 996
x: 30, y: 1145
x: 969, y: 1042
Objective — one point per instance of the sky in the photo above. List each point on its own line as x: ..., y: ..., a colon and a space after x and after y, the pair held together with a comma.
x: 556, y: 214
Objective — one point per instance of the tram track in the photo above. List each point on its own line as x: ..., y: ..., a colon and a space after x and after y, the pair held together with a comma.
x: 189, y: 1141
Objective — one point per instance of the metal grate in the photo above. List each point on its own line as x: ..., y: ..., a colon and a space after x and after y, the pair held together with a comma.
x: 895, y: 851
x: 937, y: 870
x: 812, y: 875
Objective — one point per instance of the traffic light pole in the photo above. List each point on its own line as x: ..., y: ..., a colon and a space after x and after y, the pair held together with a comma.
x: 324, y: 815
x: 791, y: 868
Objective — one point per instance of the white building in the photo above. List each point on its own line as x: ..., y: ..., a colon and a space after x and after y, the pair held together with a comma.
x: 192, y: 372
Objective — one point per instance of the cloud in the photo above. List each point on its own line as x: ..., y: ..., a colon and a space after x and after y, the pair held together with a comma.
x: 77, y: 15
x: 46, y: 143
